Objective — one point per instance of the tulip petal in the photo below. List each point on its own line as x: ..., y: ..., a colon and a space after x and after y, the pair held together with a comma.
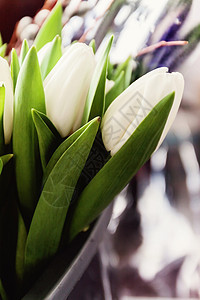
x: 178, y: 88
x: 5, y: 77
x: 72, y: 74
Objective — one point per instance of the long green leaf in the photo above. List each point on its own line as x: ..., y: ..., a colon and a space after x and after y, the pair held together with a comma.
x: 14, y: 65
x: 118, y: 171
x: 52, y: 55
x: 3, y: 50
x: 24, y: 51
x: 127, y: 67
x: 51, y: 27
x: 92, y: 44
x: 47, y: 224
x: 128, y: 74
x: 2, y: 102
x: 20, y: 249
x: 3, y: 295
x: 95, y: 102
x: 122, y: 67
x: 48, y: 139
x: 62, y: 148
x: 5, y: 158
x: 110, y: 70
x: 29, y: 94
x: 5, y: 175
x: 1, y: 166
x: 116, y: 90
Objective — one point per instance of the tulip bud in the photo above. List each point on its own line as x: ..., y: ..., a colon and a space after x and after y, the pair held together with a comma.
x: 6, y: 79
x: 130, y: 108
x: 66, y: 88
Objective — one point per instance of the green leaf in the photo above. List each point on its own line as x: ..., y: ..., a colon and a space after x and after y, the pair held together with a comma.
x: 20, y: 249
x: 5, y: 176
x: 128, y: 73
x: 119, y: 170
x: 3, y: 294
x: 110, y: 70
x: 48, y: 138
x: 5, y: 158
x: 52, y: 56
x: 2, y: 102
x: 51, y: 27
x: 3, y: 50
x: 95, y: 101
x: 62, y: 148
x: 92, y: 44
x: 47, y: 224
x: 1, y: 166
x: 24, y: 51
x: 29, y: 94
x: 3, y: 161
x: 1, y: 41
x: 14, y: 65
x: 116, y: 90
x: 127, y: 67
x: 121, y: 67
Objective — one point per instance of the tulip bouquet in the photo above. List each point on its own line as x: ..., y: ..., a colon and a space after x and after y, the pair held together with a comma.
x: 70, y: 141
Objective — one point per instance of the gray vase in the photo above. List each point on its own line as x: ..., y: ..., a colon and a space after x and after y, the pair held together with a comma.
x: 61, y: 276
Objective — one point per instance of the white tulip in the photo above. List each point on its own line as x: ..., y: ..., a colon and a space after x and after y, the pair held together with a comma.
x: 66, y: 87
x: 6, y: 80
x: 128, y: 110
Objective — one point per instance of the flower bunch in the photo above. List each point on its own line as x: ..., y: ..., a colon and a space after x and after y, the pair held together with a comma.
x: 55, y: 110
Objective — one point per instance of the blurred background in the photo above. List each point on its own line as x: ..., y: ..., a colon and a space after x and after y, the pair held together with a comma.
x: 152, y: 245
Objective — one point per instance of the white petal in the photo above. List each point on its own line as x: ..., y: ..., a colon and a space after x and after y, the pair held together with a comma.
x: 42, y: 52
x: 179, y: 87
x: 120, y: 114
x: 66, y: 87
x: 5, y: 77
x: 130, y: 108
x: 109, y: 85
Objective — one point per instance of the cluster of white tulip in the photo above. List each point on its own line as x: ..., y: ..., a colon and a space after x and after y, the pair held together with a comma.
x: 66, y: 88
x: 54, y: 107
